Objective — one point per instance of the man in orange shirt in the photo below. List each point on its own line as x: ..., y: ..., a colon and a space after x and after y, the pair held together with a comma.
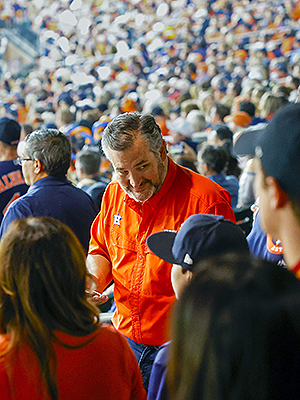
x: 150, y: 194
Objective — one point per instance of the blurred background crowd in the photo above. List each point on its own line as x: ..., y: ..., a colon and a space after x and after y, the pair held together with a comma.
x: 75, y: 65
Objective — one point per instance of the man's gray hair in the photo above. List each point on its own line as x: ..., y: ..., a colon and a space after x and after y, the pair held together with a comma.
x: 121, y: 133
x: 52, y: 148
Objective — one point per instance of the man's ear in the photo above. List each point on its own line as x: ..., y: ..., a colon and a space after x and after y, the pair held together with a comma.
x: 278, y: 198
x: 38, y: 167
x: 190, y: 275
x: 163, y: 150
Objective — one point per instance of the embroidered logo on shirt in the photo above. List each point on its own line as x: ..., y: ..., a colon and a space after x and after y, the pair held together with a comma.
x: 274, y: 247
x: 117, y: 219
x: 188, y: 259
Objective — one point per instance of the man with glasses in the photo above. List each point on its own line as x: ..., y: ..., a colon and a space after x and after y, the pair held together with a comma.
x: 12, y: 184
x: 45, y: 162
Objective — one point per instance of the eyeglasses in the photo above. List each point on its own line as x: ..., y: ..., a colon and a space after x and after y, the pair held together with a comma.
x: 20, y: 160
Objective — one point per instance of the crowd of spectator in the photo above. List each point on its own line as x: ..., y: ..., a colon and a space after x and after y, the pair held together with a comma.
x: 198, y: 63
x: 211, y: 72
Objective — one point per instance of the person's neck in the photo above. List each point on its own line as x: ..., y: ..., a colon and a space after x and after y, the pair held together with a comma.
x: 8, y: 154
x: 40, y: 176
x: 290, y: 240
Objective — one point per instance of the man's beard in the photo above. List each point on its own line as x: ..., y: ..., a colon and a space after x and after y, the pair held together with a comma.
x: 152, y: 187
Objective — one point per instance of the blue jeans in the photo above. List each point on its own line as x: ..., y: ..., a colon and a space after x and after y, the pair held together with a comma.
x: 145, y: 356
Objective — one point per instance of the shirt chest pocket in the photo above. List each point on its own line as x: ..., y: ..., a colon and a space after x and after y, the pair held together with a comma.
x: 121, y: 241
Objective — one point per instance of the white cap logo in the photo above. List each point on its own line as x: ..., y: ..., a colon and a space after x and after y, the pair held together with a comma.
x: 188, y: 259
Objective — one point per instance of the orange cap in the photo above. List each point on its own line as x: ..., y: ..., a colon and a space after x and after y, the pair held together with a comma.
x: 241, y: 118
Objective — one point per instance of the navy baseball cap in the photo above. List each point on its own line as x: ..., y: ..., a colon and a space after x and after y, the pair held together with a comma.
x: 200, y: 236
x: 278, y: 148
x: 246, y: 143
x: 10, y: 131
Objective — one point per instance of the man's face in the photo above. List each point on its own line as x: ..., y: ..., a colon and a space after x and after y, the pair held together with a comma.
x: 139, y: 172
x: 263, y: 192
x: 201, y: 165
x: 180, y: 278
x: 27, y: 169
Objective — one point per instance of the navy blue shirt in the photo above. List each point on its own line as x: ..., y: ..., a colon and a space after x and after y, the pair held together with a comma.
x: 12, y: 184
x: 57, y: 198
x: 262, y: 245
x: 228, y: 182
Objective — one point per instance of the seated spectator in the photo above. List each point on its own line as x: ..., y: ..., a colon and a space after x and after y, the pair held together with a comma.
x: 52, y: 345
x: 212, y: 161
x: 249, y: 107
x: 180, y: 159
x: 269, y: 103
x: 12, y: 184
x: 160, y: 118
x: 238, y: 121
x: 217, y: 113
x: 243, y: 147
x: 221, y: 135
x: 25, y: 130
x: 181, y: 130
x: 90, y: 180
x: 236, y: 333
x: 197, y: 119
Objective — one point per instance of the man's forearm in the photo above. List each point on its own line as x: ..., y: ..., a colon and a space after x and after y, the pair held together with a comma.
x: 100, y: 268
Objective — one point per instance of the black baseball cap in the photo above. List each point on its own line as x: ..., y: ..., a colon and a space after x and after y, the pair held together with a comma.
x: 278, y: 148
x: 246, y: 143
x: 200, y: 236
x: 10, y: 131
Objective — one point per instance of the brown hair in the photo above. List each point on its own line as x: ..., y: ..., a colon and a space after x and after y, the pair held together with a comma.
x: 42, y: 289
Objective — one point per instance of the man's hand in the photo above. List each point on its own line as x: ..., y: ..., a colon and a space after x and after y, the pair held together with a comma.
x: 96, y: 298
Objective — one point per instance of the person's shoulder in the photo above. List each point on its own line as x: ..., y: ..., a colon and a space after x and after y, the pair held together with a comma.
x: 232, y: 178
x: 112, y: 338
x: 113, y: 191
x: 196, y: 182
x: 161, y: 356
x: 9, y: 166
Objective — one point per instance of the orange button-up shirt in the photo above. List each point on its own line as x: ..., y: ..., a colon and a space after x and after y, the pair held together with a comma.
x: 143, y: 291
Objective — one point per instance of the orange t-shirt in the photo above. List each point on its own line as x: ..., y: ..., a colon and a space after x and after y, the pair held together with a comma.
x: 101, y: 367
x: 143, y: 291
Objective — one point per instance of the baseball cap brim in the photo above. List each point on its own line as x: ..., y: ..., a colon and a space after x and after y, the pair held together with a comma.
x: 247, y: 141
x: 161, y: 243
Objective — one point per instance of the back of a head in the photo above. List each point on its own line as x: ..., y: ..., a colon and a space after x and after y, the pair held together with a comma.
x: 223, y: 132
x: 52, y: 148
x: 66, y: 116
x: 89, y: 161
x: 269, y: 103
x: 236, y: 332
x: 42, y: 290
x: 10, y: 131
x: 222, y: 110
x: 35, y: 282
x: 121, y: 132
x: 197, y: 119
x: 248, y: 107
x: 215, y: 157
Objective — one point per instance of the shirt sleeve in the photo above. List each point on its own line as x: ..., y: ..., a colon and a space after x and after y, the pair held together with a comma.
x: 97, y: 242
x: 14, y: 212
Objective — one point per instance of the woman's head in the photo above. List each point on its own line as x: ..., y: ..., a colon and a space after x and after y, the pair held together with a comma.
x: 236, y: 332
x: 42, y: 277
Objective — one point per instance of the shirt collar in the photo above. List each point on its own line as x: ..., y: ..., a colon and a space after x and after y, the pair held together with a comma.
x: 48, y: 180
